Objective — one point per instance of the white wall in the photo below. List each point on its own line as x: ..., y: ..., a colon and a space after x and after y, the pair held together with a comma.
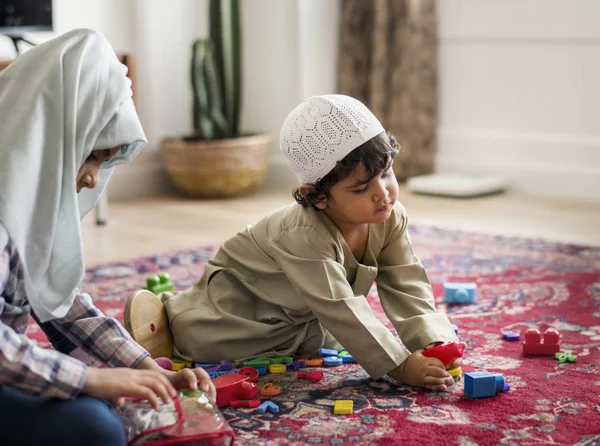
x: 519, y: 93
x: 289, y: 50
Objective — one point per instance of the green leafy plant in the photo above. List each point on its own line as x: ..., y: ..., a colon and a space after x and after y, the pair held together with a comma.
x: 216, y: 74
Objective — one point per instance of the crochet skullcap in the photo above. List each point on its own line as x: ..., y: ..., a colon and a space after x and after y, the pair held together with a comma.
x: 322, y: 130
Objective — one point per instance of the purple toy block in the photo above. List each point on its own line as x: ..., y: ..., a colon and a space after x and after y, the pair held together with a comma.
x: 511, y: 335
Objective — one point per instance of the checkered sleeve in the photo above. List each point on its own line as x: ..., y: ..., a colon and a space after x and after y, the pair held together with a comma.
x: 29, y: 368
x: 102, y: 336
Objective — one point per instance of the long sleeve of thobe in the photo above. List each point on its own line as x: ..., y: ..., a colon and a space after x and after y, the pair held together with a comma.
x: 406, y: 295
x: 310, y: 264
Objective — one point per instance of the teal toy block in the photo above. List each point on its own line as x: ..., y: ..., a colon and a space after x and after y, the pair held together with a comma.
x: 159, y: 284
x: 483, y: 384
x: 459, y: 292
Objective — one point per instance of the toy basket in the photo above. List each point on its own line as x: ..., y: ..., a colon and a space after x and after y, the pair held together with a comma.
x: 190, y: 420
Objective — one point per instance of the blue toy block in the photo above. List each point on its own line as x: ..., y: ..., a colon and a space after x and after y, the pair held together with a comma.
x: 268, y: 405
x: 327, y: 352
x: 261, y: 370
x: 332, y: 361
x: 213, y: 375
x: 483, y: 384
x: 459, y: 292
x: 455, y: 328
x: 159, y: 284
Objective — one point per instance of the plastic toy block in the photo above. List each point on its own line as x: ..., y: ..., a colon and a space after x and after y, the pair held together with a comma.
x: 317, y: 375
x: 234, y: 386
x: 343, y: 407
x: 459, y: 292
x: 176, y: 366
x: 346, y: 357
x: 257, y: 362
x: 511, y: 335
x: 213, y: 375
x: 565, y: 357
x: 270, y: 390
x: 277, y: 368
x: 455, y: 328
x: 281, y: 360
x: 159, y: 284
x: 533, y: 345
x: 188, y: 364
x: 455, y: 373
x: 446, y: 352
x: 245, y: 403
x: 261, y: 370
x: 311, y: 361
x: 332, y: 361
x: 301, y: 364
x: 268, y: 406
x: 483, y: 384
x: 225, y: 365
x: 250, y: 372
x: 506, y: 387
x: 164, y: 363
x: 327, y: 352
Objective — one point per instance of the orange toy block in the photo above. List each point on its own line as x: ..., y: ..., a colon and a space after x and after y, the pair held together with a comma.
x: 311, y: 361
x: 270, y: 390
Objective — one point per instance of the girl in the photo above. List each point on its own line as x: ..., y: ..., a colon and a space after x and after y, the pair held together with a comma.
x: 66, y: 119
x: 298, y: 279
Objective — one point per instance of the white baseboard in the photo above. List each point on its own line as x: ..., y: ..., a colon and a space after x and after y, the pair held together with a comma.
x: 565, y: 166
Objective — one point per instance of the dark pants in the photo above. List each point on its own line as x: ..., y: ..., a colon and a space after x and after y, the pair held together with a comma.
x: 33, y: 420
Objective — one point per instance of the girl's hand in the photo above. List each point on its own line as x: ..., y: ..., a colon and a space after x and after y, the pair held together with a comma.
x: 193, y: 379
x: 119, y: 383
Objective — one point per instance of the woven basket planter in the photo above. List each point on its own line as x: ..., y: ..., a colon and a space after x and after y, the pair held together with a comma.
x: 218, y: 168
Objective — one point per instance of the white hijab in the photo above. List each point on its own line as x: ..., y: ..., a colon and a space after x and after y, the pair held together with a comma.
x: 59, y: 101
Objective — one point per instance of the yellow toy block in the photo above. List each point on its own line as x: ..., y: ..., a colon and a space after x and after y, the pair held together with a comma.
x: 177, y: 366
x: 277, y: 368
x: 343, y: 407
x: 455, y: 373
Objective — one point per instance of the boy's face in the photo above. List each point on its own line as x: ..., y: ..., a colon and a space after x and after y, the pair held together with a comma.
x: 88, y: 173
x: 353, y: 201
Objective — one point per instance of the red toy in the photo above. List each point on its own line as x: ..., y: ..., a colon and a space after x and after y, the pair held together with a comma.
x: 317, y: 375
x: 234, y: 386
x: 447, y: 352
x: 534, y: 346
x: 245, y: 403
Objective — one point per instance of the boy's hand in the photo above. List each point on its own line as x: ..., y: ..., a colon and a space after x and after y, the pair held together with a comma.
x: 420, y: 371
x: 119, y: 383
x: 456, y: 362
x: 193, y: 379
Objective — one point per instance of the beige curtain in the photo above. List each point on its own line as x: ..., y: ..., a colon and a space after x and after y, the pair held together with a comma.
x: 388, y: 60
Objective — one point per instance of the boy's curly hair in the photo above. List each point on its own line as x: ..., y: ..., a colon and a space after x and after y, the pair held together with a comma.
x: 376, y: 155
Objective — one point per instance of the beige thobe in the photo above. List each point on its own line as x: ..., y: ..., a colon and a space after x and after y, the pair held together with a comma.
x: 282, y: 285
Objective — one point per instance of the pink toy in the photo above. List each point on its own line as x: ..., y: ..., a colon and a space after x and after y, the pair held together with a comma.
x: 165, y: 363
x: 234, y: 386
x: 534, y: 346
x: 447, y: 352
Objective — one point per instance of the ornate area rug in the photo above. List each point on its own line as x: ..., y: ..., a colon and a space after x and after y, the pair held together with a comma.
x: 521, y: 284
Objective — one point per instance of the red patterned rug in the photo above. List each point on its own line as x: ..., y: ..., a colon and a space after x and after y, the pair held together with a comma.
x: 521, y: 284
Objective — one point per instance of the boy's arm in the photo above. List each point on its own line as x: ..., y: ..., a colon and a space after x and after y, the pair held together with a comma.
x: 321, y: 281
x: 406, y: 295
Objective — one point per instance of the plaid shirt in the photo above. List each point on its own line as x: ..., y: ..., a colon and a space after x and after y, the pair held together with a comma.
x: 46, y: 372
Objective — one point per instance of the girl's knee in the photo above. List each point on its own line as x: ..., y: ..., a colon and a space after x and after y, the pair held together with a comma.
x: 95, y: 423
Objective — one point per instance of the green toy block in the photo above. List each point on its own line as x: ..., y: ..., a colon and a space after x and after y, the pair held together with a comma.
x: 257, y: 362
x: 159, y: 284
x: 281, y: 360
x: 565, y: 357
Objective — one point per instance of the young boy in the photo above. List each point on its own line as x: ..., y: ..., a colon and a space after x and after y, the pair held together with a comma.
x: 298, y: 279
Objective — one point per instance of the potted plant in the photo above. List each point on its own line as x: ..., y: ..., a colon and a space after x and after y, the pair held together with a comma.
x: 217, y: 161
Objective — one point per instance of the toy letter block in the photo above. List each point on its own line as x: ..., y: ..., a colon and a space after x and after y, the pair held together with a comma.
x: 533, y: 345
x: 332, y: 361
x: 277, y: 368
x: 565, y: 357
x: 459, y: 293
x: 343, y: 407
x: 346, y: 357
x: 317, y: 375
x: 268, y: 406
x: 270, y: 390
x: 159, y: 284
x: 446, y: 352
x: 483, y: 384
x: 327, y: 352
x: 311, y: 361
